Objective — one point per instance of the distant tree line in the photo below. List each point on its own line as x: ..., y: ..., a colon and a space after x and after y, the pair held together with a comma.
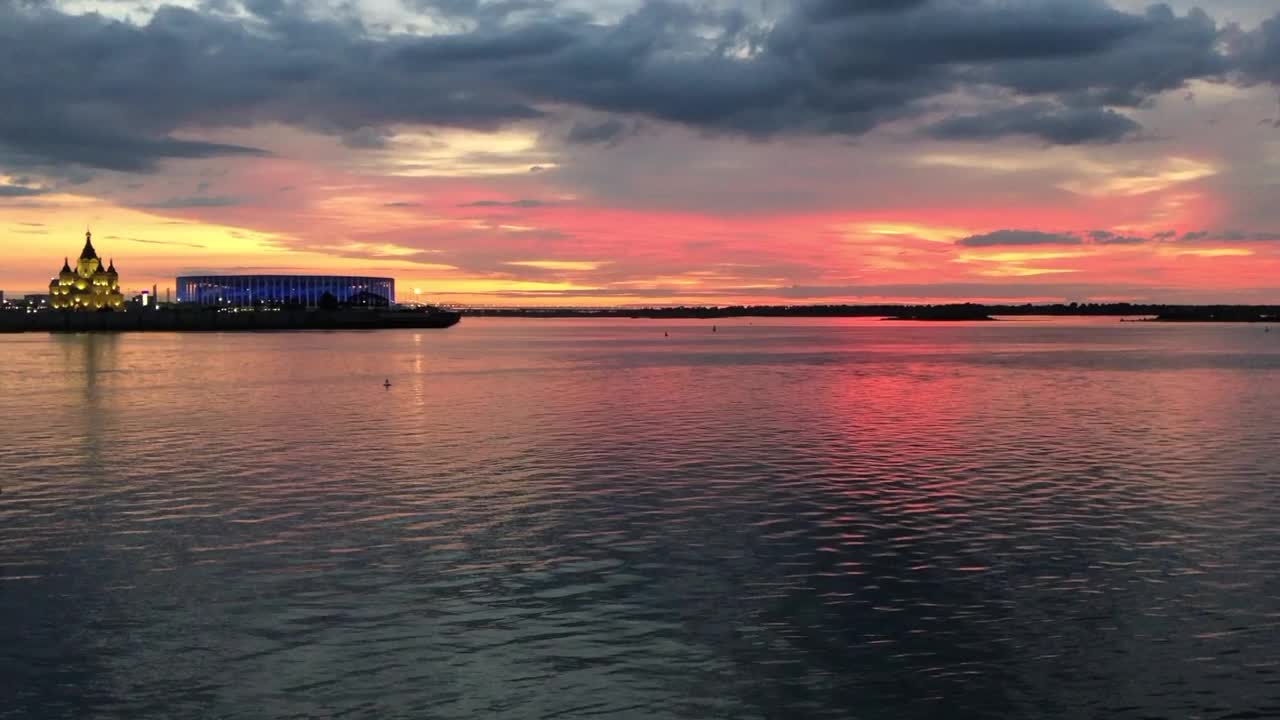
x: 953, y: 311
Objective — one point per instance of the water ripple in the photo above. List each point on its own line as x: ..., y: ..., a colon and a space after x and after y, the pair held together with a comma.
x: 578, y: 519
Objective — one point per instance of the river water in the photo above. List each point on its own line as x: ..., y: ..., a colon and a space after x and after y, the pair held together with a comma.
x: 572, y: 519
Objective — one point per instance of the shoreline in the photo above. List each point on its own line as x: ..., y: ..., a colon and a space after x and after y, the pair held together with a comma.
x: 922, y: 313
x: 223, y: 320
x: 216, y: 319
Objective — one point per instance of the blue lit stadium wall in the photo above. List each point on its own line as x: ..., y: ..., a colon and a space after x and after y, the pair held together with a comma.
x: 249, y: 290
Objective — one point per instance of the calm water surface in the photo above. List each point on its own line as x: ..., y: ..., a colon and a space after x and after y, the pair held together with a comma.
x: 571, y: 519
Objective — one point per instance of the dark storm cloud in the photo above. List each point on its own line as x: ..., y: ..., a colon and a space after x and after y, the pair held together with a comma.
x: 1259, y: 51
x: 836, y: 9
x: 531, y: 42
x: 1057, y: 125
x: 76, y: 140
x: 604, y: 133
x: 1018, y: 237
x: 105, y: 94
x: 367, y: 138
x: 1163, y: 52
x: 945, y: 33
x: 265, y: 8
x: 82, y: 89
x: 485, y: 13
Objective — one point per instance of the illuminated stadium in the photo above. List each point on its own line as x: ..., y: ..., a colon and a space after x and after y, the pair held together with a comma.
x: 275, y: 290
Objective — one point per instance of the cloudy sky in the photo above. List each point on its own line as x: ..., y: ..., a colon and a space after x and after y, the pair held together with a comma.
x: 621, y: 152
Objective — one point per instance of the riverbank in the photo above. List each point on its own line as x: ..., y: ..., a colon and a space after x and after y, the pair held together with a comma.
x: 223, y: 320
x: 949, y: 312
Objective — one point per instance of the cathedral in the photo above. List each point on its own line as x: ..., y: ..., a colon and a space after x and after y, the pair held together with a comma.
x: 90, y: 286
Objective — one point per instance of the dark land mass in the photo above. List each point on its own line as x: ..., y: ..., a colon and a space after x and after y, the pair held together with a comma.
x: 224, y: 320
x: 1220, y: 313
x: 182, y: 318
x: 942, y: 313
x: 959, y: 311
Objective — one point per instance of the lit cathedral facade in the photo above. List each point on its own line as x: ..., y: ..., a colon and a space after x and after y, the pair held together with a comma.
x: 90, y: 286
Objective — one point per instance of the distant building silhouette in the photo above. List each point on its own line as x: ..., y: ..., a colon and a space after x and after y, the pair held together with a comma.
x: 90, y: 286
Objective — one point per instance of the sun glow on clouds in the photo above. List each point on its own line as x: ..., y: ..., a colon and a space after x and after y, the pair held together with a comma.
x: 1023, y: 271
x: 1019, y: 256
x: 682, y: 281
x: 369, y: 212
x: 152, y: 248
x: 377, y: 250
x: 1087, y: 171
x: 460, y: 154
x: 1014, y: 263
x: 62, y: 218
x: 428, y: 241
x: 477, y: 287
x: 1139, y: 180
x: 1206, y: 252
x: 477, y: 227
x: 894, y: 230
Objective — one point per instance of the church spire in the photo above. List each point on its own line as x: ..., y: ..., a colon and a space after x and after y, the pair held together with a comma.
x: 88, y: 252
x: 66, y: 266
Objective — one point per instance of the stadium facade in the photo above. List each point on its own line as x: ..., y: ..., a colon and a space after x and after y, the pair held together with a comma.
x: 273, y: 290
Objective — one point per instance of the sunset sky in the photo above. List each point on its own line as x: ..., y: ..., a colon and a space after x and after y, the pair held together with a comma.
x: 592, y: 152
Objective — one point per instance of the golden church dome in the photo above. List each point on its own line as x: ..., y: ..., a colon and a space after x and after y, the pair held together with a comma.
x: 91, y: 285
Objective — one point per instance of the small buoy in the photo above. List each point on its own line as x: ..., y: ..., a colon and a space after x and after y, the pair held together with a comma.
x: 713, y: 328
x: 387, y: 383
x: 665, y: 335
